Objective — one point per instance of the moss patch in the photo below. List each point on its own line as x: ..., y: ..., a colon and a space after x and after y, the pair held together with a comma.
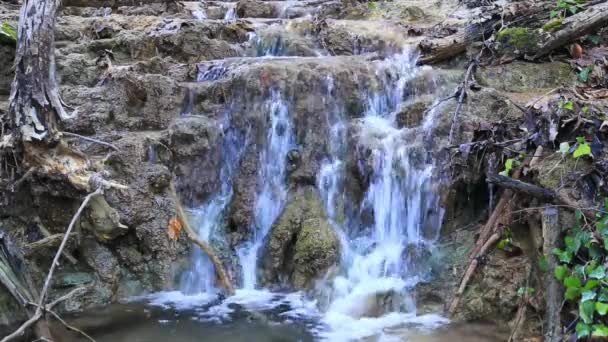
x: 520, y: 38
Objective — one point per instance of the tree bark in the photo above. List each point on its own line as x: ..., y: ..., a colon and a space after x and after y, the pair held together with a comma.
x: 519, y: 186
x: 35, y: 104
x: 575, y: 26
x: 553, y: 289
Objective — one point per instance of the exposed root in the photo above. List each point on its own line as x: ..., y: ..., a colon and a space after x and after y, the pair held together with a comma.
x: 217, y: 263
x: 40, y: 307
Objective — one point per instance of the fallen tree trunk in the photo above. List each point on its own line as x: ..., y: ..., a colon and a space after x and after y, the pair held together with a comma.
x: 437, y: 50
x: 523, y: 187
x: 573, y: 27
x: 553, y: 288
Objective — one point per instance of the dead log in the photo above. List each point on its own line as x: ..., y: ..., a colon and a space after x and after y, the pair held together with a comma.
x: 591, y: 19
x: 35, y: 105
x: 436, y: 50
x: 553, y: 289
x: 522, y: 187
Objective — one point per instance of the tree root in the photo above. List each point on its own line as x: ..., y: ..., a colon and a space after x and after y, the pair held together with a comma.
x: 217, y: 263
x: 40, y: 307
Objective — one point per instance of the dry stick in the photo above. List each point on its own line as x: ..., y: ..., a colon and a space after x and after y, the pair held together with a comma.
x: 470, y: 270
x: 70, y: 327
x: 40, y: 306
x: 217, y: 263
x: 463, y: 92
x: 91, y: 140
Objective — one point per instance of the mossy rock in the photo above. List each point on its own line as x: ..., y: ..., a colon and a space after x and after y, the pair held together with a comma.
x: 316, y: 250
x: 302, y: 244
x: 518, y: 40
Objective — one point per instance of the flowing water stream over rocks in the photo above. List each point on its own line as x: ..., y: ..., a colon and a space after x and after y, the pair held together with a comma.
x: 306, y: 142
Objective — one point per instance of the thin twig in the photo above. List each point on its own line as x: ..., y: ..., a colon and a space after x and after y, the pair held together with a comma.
x: 463, y: 92
x: 91, y: 140
x: 70, y: 327
x: 40, y: 306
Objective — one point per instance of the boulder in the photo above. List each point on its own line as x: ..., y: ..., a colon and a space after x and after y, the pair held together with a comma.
x: 256, y: 9
x: 302, y: 244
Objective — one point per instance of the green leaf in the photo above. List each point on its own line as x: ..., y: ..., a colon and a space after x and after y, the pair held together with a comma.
x: 595, y: 39
x: 601, y: 308
x: 564, y: 147
x: 603, y: 297
x: 563, y: 256
x: 543, y: 264
x: 561, y: 272
x: 586, y: 310
x: 572, y: 282
x: 591, y: 284
x: 572, y: 244
x: 8, y: 31
x: 600, y: 330
x: 582, y: 330
x: 572, y: 293
x: 504, y: 244
x: 582, y: 150
x: 583, y: 76
x: 598, y: 273
x: 553, y: 14
x: 587, y: 295
x: 569, y: 105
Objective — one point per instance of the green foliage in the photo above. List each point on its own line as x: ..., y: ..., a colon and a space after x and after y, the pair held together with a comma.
x: 583, y: 272
x: 569, y: 105
x: 8, y: 31
x: 509, y: 165
x: 372, y: 6
x: 564, y: 8
x: 583, y: 149
x: 583, y: 76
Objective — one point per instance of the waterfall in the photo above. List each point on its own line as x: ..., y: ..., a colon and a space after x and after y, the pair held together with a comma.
x: 399, y: 196
x: 231, y: 13
x: 272, y: 192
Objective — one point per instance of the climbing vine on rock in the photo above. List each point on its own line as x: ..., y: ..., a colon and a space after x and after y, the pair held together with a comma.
x: 583, y: 272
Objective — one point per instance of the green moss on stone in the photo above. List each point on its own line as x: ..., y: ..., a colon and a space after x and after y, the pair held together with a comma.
x: 553, y: 25
x: 520, y: 38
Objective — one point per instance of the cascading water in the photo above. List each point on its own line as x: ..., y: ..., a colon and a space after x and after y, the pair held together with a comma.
x: 399, y: 196
x: 272, y: 192
x: 230, y: 13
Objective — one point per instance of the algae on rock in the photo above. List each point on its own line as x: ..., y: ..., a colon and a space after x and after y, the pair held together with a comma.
x: 302, y: 243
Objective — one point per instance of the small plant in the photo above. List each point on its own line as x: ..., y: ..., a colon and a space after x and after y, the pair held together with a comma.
x: 583, y: 76
x: 506, y: 244
x: 8, y: 31
x: 509, y: 165
x: 564, y: 8
x: 583, y: 149
x: 568, y: 105
x: 583, y: 272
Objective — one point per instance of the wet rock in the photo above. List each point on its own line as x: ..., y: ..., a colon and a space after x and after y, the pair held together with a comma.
x: 521, y: 76
x: 74, y: 279
x: 302, y: 244
x: 411, y: 115
x: 242, y: 207
x: 256, y: 9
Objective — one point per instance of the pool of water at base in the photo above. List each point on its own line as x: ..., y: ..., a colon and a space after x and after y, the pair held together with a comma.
x: 142, y: 322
